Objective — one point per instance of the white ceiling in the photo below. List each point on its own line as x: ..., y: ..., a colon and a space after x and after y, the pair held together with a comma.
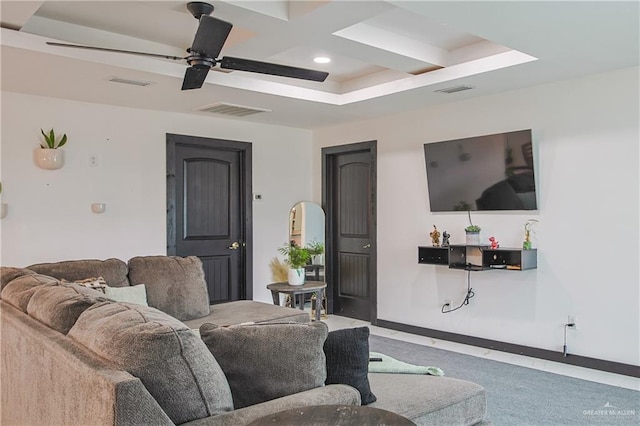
x: 387, y: 56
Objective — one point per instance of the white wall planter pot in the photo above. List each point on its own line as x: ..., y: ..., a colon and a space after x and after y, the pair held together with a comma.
x: 473, y: 238
x: 49, y: 159
x: 296, y: 276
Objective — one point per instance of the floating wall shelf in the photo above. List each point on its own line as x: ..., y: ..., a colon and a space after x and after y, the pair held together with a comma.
x: 479, y: 258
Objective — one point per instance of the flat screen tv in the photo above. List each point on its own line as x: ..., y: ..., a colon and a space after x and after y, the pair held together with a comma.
x: 491, y: 172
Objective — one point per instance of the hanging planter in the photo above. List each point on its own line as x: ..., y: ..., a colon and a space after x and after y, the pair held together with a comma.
x: 49, y: 156
x: 49, y: 159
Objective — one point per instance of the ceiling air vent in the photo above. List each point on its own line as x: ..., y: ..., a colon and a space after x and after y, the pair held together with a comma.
x: 231, y: 109
x: 131, y: 82
x: 454, y: 89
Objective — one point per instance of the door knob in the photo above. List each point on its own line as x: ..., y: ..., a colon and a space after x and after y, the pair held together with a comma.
x: 234, y: 246
x: 366, y: 246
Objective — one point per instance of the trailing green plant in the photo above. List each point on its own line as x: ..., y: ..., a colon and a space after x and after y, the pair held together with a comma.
x: 50, y: 140
x: 296, y: 256
x: 472, y: 228
x: 315, y: 248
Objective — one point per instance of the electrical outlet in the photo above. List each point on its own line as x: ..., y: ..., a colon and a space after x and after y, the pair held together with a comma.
x: 93, y: 160
x: 571, y: 319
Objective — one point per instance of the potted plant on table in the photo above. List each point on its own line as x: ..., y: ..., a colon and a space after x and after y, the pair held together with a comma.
x: 49, y: 156
x: 473, y: 235
x: 316, y: 250
x: 296, y: 258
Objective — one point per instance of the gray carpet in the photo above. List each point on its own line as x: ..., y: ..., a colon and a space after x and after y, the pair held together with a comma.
x: 523, y: 396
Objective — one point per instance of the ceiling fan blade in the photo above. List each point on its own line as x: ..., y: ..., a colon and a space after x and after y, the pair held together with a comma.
x: 271, y: 69
x: 194, y: 77
x: 104, y: 49
x: 210, y: 36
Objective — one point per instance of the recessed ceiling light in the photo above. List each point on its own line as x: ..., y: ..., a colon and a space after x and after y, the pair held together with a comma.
x: 321, y: 60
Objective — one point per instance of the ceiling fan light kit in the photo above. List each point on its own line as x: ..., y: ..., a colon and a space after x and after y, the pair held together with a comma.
x: 207, y: 44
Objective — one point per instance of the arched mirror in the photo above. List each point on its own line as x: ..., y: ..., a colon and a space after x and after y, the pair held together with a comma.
x: 306, y: 229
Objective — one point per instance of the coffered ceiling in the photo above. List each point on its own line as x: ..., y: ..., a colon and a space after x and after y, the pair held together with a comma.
x: 386, y: 56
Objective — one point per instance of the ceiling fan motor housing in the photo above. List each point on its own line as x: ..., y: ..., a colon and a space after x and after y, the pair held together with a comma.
x: 199, y: 8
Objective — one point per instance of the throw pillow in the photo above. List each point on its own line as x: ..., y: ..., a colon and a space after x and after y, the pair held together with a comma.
x: 267, y: 361
x: 171, y: 361
x: 133, y: 294
x: 347, y: 353
x: 98, y: 283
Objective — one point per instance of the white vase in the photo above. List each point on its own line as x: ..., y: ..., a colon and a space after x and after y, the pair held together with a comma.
x: 318, y: 259
x: 49, y: 159
x: 473, y: 238
x: 296, y: 276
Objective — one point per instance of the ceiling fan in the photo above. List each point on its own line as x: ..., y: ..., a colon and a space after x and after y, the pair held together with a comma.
x: 203, y: 53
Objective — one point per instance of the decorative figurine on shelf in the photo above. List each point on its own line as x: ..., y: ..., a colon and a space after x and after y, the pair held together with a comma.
x: 527, y: 244
x: 494, y: 244
x: 435, y: 237
x: 445, y: 239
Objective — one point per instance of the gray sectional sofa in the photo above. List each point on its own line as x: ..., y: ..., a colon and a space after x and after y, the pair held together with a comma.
x: 70, y: 356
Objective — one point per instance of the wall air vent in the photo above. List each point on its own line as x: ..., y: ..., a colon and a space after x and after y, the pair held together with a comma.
x: 230, y: 109
x: 454, y: 89
x: 131, y: 82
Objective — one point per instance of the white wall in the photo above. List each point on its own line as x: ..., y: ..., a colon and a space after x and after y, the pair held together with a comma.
x: 50, y: 218
x: 585, y: 135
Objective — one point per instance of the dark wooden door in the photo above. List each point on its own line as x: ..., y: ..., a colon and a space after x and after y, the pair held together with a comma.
x: 209, y: 211
x: 349, y: 190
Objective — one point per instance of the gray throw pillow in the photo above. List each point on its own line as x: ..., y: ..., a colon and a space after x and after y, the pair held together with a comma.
x: 171, y: 361
x: 267, y: 361
x: 347, y: 353
x: 174, y: 285
x: 58, y: 307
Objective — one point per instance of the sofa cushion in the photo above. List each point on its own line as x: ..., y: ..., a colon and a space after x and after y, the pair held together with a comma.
x: 433, y: 400
x: 114, y: 271
x: 175, y: 285
x: 347, y: 353
x: 58, y: 307
x: 20, y: 290
x: 267, y: 361
x: 8, y: 274
x: 171, y: 361
x: 249, y: 311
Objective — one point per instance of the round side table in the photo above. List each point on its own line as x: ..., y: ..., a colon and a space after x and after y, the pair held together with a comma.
x: 296, y: 290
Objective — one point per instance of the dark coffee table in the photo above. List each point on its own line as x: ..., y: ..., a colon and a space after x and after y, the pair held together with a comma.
x: 334, y: 415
